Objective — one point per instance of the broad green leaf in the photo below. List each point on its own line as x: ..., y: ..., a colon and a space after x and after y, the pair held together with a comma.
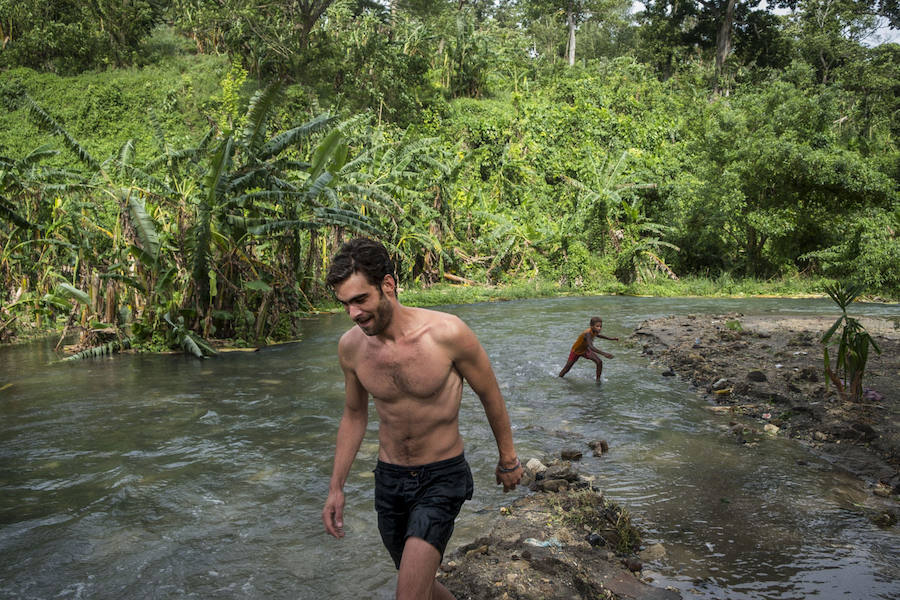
x: 144, y: 225
x: 70, y: 291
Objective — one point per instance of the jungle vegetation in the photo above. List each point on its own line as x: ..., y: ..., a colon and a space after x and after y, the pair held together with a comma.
x: 173, y: 171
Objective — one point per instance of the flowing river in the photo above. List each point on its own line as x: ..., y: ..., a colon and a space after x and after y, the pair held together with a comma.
x: 162, y: 476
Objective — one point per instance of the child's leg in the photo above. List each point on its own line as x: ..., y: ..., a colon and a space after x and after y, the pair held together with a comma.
x: 569, y: 363
x: 599, y: 363
x: 568, y: 366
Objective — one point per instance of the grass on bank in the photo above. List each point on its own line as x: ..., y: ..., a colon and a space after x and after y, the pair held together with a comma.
x: 448, y: 294
x: 722, y: 287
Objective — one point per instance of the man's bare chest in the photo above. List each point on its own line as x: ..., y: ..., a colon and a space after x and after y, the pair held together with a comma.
x: 416, y: 370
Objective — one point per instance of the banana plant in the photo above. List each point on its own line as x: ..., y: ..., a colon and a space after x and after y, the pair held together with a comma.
x: 401, y: 185
x: 258, y: 195
x: 232, y: 212
x: 638, y: 241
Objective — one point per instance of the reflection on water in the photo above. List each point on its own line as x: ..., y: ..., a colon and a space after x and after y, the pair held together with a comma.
x: 167, y: 477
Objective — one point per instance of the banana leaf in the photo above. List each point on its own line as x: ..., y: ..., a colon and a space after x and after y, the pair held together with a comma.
x: 280, y: 142
x: 8, y: 211
x: 49, y: 123
x: 260, y: 108
x: 70, y: 291
x: 145, y: 227
x: 107, y: 349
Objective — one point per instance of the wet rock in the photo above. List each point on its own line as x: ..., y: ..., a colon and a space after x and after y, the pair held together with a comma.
x: 777, y: 398
x: 573, y: 455
x: 534, y: 466
x: 885, y: 519
x: 562, y: 470
x: 553, y: 485
x: 600, y: 447
x: 668, y: 373
x: 882, y: 490
x: 633, y: 564
x: 595, y: 539
x: 809, y: 374
x: 852, y: 431
x: 654, y: 552
x: 757, y: 376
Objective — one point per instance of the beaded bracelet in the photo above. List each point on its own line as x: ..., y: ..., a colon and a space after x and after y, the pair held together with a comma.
x: 503, y: 469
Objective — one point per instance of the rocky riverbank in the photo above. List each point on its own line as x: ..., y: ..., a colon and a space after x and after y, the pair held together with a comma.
x: 767, y: 373
x: 564, y: 541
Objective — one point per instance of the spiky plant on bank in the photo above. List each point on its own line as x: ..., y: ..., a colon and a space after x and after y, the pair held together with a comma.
x: 853, y: 345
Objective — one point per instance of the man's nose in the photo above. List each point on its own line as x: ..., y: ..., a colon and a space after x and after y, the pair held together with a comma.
x: 353, y: 311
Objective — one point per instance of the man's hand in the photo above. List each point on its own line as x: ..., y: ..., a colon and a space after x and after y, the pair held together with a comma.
x: 333, y: 513
x: 509, y: 476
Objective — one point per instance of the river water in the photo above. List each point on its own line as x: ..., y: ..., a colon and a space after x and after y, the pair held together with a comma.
x: 168, y: 477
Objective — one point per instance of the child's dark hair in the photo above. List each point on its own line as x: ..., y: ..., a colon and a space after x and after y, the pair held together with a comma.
x: 595, y: 320
x: 360, y: 255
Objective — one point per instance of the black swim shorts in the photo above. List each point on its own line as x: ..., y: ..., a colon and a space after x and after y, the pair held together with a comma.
x: 420, y: 502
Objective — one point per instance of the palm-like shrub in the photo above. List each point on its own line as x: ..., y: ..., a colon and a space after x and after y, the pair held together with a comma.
x: 853, y: 345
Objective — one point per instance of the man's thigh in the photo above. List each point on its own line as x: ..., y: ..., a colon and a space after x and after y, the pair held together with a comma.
x: 418, y: 567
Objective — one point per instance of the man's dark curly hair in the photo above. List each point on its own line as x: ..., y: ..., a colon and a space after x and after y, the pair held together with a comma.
x: 360, y: 255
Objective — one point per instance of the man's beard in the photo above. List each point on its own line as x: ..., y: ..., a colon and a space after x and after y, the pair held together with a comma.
x: 381, y: 318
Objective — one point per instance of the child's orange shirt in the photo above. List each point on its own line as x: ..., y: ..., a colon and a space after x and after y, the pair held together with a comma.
x: 581, y: 344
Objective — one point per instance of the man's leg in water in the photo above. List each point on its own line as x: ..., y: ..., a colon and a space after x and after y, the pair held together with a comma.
x: 415, y: 580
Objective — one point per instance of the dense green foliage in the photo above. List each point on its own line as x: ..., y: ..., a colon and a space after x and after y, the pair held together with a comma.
x: 188, y: 180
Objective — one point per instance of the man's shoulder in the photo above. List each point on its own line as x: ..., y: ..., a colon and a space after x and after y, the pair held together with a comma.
x: 441, y: 326
x: 350, y: 338
x: 439, y: 318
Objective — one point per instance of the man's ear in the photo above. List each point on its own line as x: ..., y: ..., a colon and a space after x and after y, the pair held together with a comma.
x: 389, y: 284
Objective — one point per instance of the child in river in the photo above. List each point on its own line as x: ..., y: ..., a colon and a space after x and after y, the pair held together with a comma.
x: 584, y: 346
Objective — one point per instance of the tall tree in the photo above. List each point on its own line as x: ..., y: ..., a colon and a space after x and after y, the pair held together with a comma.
x: 830, y: 33
x: 573, y: 13
x: 723, y: 36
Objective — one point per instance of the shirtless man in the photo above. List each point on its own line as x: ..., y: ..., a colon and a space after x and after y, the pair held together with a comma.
x: 412, y: 361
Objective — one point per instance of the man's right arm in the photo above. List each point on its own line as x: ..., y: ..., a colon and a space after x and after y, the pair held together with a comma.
x: 349, y: 437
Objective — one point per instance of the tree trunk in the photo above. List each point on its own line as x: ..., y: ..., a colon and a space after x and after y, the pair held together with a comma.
x: 723, y: 38
x: 570, y: 46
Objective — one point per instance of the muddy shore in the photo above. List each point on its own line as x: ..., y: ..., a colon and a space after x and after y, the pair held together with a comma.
x: 767, y: 375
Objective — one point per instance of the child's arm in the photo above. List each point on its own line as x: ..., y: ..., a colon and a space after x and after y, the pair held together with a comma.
x: 590, y: 340
x: 615, y: 339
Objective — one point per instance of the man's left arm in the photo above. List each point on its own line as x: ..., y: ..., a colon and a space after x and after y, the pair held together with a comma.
x: 473, y: 364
